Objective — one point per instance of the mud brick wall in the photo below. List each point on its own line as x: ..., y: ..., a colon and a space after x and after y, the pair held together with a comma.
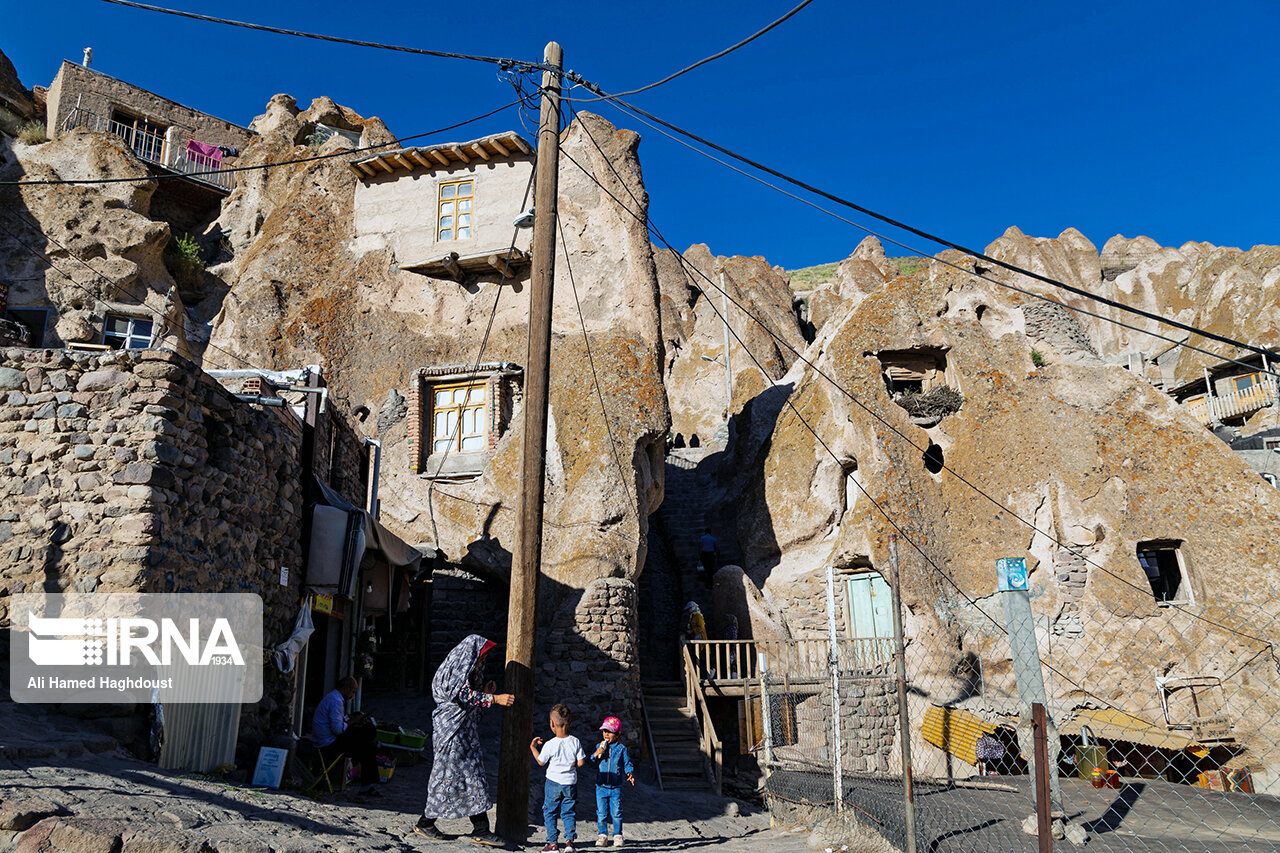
x: 133, y: 471
x: 588, y: 661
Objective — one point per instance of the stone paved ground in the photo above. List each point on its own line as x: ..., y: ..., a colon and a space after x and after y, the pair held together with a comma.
x: 64, y: 790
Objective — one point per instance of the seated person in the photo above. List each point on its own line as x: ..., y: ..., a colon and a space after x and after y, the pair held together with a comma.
x: 335, y: 734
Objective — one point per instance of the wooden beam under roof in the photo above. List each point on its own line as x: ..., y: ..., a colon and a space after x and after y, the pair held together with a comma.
x: 457, y: 150
x: 383, y: 164
x: 435, y: 152
x: 520, y: 143
x: 417, y: 156
x: 501, y: 148
x: 403, y: 161
x: 479, y: 149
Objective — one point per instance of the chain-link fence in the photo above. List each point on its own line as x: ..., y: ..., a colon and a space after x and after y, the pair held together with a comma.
x: 1160, y: 726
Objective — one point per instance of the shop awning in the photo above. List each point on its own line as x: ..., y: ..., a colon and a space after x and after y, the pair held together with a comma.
x: 1114, y: 724
x: 340, y: 535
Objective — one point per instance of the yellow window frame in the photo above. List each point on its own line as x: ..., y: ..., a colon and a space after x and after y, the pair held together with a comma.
x: 467, y: 429
x: 449, y: 202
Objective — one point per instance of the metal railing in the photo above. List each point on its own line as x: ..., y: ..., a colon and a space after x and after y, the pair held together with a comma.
x: 717, y: 661
x: 169, y: 150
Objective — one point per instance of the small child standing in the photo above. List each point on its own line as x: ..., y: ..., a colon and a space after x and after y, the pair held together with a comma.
x: 562, y: 756
x: 612, y: 762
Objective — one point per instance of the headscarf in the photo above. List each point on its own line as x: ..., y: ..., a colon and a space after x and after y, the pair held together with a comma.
x: 456, y: 669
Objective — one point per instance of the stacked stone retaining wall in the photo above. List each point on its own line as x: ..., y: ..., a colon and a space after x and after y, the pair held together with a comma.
x: 133, y: 471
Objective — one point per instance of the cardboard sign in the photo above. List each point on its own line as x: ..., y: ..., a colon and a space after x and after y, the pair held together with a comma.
x: 270, y: 769
x: 1011, y: 574
x: 324, y: 604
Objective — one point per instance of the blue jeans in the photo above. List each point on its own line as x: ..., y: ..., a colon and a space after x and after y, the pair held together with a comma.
x: 608, y: 804
x: 559, y: 800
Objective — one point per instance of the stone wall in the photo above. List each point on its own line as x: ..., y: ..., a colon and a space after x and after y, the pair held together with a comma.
x: 588, y: 661
x: 463, y: 604
x: 90, y: 91
x: 132, y: 471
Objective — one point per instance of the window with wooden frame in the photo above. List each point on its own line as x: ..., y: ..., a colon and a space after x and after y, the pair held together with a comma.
x: 458, y: 422
x: 1162, y: 563
x: 145, y: 137
x: 454, y: 210
x: 1242, y: 383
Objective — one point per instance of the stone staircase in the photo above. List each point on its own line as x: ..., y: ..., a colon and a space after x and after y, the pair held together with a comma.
x: 676, y: 737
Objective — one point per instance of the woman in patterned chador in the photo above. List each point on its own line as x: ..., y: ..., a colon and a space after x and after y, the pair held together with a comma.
x: 458, y: 787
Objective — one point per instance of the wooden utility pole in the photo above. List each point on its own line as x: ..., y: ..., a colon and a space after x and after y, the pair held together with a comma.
x: 522, y: 606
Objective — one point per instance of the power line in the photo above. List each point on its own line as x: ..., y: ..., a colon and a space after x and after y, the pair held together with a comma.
x: 847, y: 475
x: 494, y: 60
x: 854, y: 398
x: 921, y: 253
x: 728, y: 50
x: 917, y: 231
x: 114, y: 284
x: 264, y: 166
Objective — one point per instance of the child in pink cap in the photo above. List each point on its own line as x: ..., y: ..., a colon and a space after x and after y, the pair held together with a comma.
x: 613, y: 764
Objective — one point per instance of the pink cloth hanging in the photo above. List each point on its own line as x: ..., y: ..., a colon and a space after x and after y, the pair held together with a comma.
x: 210, y: 153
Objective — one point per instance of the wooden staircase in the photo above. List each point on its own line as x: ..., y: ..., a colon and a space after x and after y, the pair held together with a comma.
x: 676, y: 738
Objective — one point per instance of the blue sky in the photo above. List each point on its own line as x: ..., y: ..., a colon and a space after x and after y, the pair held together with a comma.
x: 1153, y: 118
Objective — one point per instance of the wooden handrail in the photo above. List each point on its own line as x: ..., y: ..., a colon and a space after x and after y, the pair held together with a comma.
x: 653, y: 749
x: 712, y: 749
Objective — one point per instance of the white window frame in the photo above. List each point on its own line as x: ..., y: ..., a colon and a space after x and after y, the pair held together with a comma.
x: 131, y: 339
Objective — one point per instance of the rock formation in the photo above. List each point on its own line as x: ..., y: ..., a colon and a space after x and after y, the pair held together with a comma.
x: 103, y: 249
x: 1096, y: 459
x: 693, y: 326
x: 302, y: 291
x: 1223, y: 290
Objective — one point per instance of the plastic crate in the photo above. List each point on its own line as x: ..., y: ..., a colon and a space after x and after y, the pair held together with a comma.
x: 412, y: 738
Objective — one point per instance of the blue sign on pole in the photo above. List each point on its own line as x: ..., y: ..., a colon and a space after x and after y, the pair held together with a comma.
x: 1011, y: 574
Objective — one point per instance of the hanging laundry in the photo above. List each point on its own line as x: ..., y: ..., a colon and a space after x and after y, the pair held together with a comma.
x: 229, y: 150
x: 204, y: 152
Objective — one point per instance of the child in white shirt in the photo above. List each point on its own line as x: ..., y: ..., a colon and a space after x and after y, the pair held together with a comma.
x: 562, y: 756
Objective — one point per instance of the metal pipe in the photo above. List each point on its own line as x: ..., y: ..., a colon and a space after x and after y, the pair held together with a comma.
x: 904, y: 718
x: 835, y: 689
x: 371, y: 488
x: 260, y: 400
x: 728, y: 372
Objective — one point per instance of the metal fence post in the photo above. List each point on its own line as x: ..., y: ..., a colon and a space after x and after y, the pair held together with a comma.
x: 835, y: 691
x: 766, y: 723
x: 904, y: 718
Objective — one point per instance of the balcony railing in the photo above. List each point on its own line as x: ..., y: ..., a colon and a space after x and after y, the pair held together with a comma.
x: 169, y: 150
x: 1243, y: 401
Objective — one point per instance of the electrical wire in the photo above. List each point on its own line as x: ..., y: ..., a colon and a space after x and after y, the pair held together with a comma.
x: 728, y: 50
x: 647, y: 221
x: 494, y: 60
x: 347, y: 152
x: 595, y: 378
x: 921, y: 253
x: 942, y: 241
x: 112, y: 284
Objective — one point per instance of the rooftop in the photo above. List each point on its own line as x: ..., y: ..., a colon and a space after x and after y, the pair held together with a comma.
x: 447, y: 155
